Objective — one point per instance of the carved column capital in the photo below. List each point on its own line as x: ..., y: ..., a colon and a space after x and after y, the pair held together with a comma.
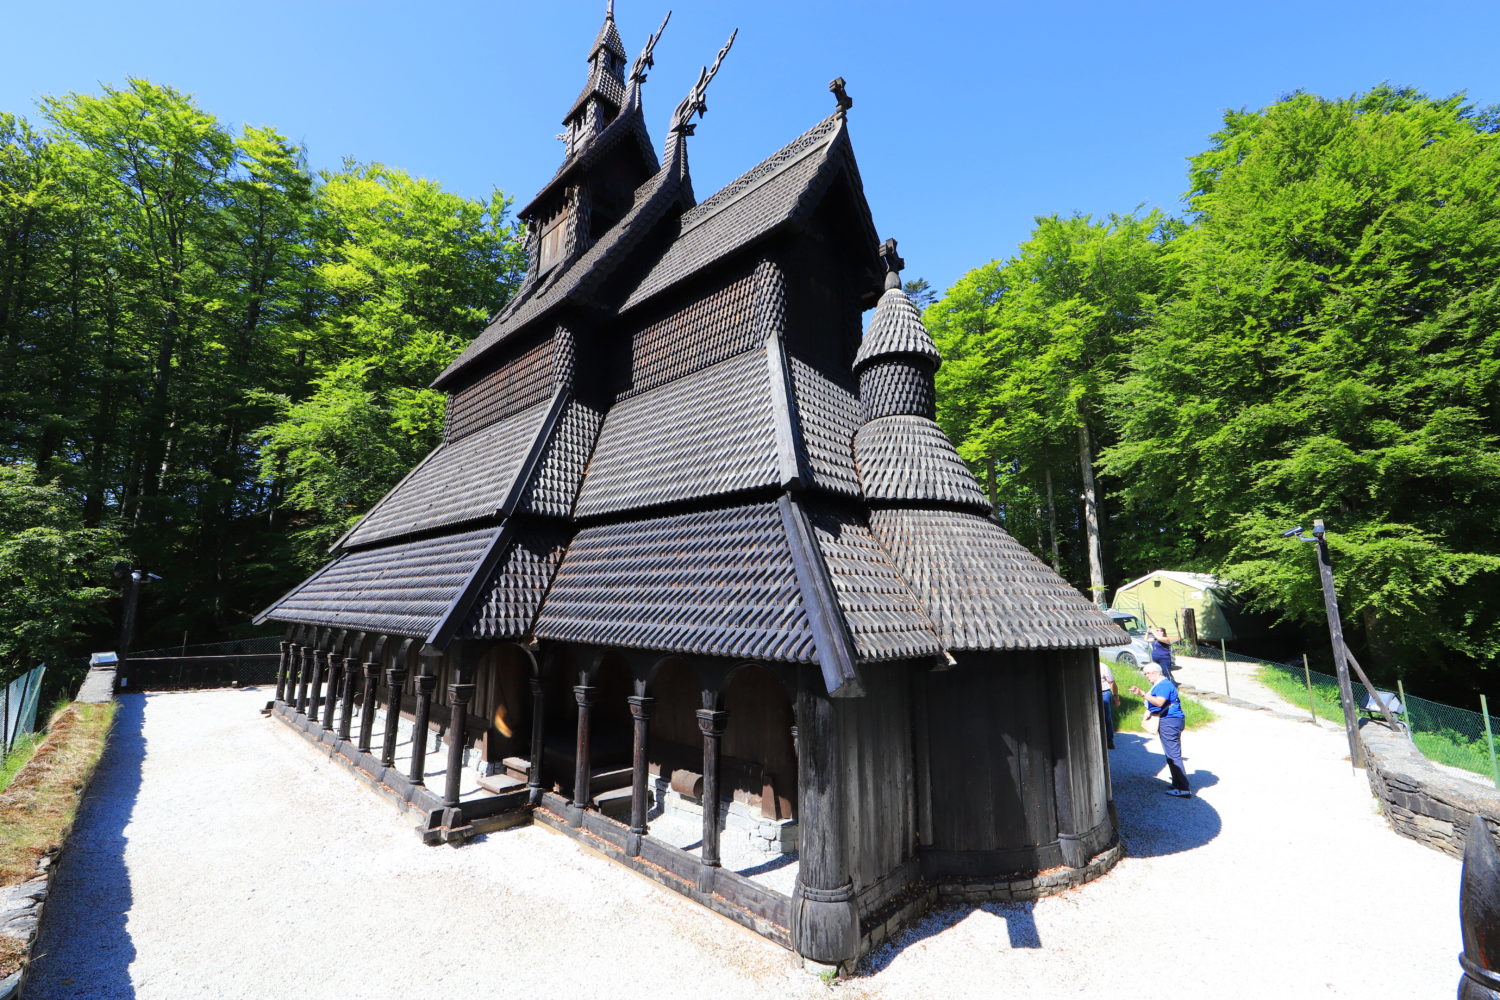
x: 641, y: 707
x: 712, y: 723
x: 426, y: 683
x: 460, y: 694
x: 585, y: 694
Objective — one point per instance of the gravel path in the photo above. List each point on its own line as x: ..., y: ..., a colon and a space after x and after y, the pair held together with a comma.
x: 199, y: 868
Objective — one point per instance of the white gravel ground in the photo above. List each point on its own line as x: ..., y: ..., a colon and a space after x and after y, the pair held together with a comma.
x: 219, y: 856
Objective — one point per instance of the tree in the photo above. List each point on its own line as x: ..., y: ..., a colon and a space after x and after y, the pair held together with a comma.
x: 53, y: 571
x: 1030, y: 344
x: 1333, y: 353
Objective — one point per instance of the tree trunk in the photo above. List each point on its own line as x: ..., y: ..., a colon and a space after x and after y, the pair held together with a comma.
x: 1052, y: 519
x: 1091, y: 515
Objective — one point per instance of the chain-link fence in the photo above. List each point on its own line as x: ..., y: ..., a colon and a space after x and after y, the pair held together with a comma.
x: 1443, y: 733
x: 233, y: 647
x: 18, y: 704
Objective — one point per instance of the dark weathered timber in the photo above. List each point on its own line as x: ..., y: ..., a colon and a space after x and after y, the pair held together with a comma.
x: 395, y: 680
x: 281, y: 670
x: 315, y: 686
x: 711, y: 724
x: 584, y: 695
x: 459, y: 696
x: 538, y: 732
x: 425, y: 682
x: 640, y: 715
x: 335, y: 662
x: 367, y: 705
x: 304, y: 675
x: 825, y: 919
x: 346, y: 708
x: 1069, y: 827
x: 1479, y: 915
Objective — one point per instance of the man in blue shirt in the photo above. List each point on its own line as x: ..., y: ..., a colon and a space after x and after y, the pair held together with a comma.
x: 1162, y: 701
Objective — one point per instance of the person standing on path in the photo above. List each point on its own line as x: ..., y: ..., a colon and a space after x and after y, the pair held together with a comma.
x: 1109, y: 695
x: 1161, y: 652
x: 1163, y: 702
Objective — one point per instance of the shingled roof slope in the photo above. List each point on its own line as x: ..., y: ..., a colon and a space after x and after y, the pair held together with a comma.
x: 507, y: 606
x: 715, y: 582
x: 763, y: 198
x: 460, y: 481
x: 896, y: 328
x: 982, y: 588
x: 910, y: 458
x: 706, y: 434
x: 403, y: 589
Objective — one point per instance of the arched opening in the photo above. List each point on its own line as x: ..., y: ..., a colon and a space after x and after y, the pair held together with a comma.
x: 759, y: 762
x: 675, y: 751
x: 502, y: 710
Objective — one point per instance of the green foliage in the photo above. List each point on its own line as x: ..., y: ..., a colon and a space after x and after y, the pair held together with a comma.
x: 175, y: 296
x: 1332, y: 352
x: 52, y: 568
x: 1029, y: 346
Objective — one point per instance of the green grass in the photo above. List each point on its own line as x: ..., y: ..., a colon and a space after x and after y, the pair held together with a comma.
x: 1128, y: 713
x: 19, y: 754
x: 1443, y: 744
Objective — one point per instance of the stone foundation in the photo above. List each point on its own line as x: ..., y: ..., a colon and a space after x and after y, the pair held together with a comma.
x: 1421, y: 800
x: 1028, y: 887
x: 773, y: 836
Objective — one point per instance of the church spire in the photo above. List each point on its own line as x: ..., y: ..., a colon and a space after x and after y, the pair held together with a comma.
x: 603, y: 93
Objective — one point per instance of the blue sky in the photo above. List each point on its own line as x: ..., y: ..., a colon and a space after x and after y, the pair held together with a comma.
x: 969, y: 118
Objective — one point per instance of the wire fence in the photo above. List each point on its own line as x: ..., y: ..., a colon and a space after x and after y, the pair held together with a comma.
x: 243, y: 647
x: 1458, y: 737
x: 18, y: 704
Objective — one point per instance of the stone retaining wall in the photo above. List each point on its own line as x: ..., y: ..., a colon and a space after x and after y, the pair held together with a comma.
x: 1421, y: 800
x: 21, y: 905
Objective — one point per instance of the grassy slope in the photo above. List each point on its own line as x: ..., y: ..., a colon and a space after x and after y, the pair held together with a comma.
x: 37, y: 809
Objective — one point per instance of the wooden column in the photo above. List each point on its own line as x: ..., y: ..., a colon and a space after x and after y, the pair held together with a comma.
x: 426, y: 683
x: 367, y: 707
x: 281, y: 670
x: 711, y: 724
x: 538, y: 721
x: 395, y: 680
x: 303, y: 676
x: 640, y: 712
x: 584, y: 694
x: 825, y: 919
x: 459, y: 696
x: 334, y: 661
x: 346, y: 714
x: 1479, y: 915
x: 315, y: 686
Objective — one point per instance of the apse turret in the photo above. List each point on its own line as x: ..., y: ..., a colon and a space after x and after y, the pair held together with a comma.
x: 897, y: 357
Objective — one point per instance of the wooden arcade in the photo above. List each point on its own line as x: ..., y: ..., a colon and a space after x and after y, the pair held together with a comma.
x: 694, y: 547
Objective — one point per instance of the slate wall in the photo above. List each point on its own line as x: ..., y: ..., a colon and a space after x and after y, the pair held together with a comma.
x: 1422, y: 801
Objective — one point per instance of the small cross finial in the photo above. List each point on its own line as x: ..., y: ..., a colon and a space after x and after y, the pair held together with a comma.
x: 609, y: 10
x: 840, y: 94
x: 893, y: 264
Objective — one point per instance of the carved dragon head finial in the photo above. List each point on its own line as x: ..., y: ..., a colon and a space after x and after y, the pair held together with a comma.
x: 646, y: 60
x: 695, y: 102
x: 840, y: 95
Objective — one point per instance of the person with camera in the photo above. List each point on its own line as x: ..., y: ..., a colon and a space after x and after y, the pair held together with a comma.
x: 1165, y: 706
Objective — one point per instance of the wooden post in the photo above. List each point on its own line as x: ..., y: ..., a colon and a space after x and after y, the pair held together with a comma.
x: 426, y: 683
x: 584, y: 695
x: 640, y: 714
x: 459, y: 696
x: 1479, y: 915
x: 538, y: 720
x: 334, y: 661
x: 315, y: 686
x: 1307, y: 676
x: 1340, y: 650
x: 1489, y: 738
x: 711, y: 724
x: 1224, y: 658
x: 367, y: 705
x: 1190, y: 628
x: 304, y: 669
x: 1406, y: 711
x: 395, y: 679
x: 281, y: 670
x: 346, y: 714
x: 825, y: 918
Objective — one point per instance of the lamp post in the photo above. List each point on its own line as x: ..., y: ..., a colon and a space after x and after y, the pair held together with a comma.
x: 1335, y: 635
x: 130, y: 594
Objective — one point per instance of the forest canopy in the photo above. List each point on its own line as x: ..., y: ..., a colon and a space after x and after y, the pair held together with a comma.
x: 213, y: 356
x: 1319, y: 337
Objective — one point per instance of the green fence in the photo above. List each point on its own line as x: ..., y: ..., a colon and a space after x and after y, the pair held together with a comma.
x: 1443, y: 733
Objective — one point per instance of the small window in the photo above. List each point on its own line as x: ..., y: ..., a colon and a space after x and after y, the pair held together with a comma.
x: 552, y: 241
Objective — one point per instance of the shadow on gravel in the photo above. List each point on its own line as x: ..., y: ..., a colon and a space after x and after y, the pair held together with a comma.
x: 1020, y: 926
x: 84, y: 949
x: 1153, y: 823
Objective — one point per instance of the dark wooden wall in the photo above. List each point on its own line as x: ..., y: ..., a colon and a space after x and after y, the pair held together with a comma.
x: 758, y: 751
x: 878, y: 780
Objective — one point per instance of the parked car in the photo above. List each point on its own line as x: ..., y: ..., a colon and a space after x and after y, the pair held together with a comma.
x: 1137, y: 650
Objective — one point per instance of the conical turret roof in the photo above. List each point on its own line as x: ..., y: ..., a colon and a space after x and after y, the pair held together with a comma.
x: 896, y: 329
